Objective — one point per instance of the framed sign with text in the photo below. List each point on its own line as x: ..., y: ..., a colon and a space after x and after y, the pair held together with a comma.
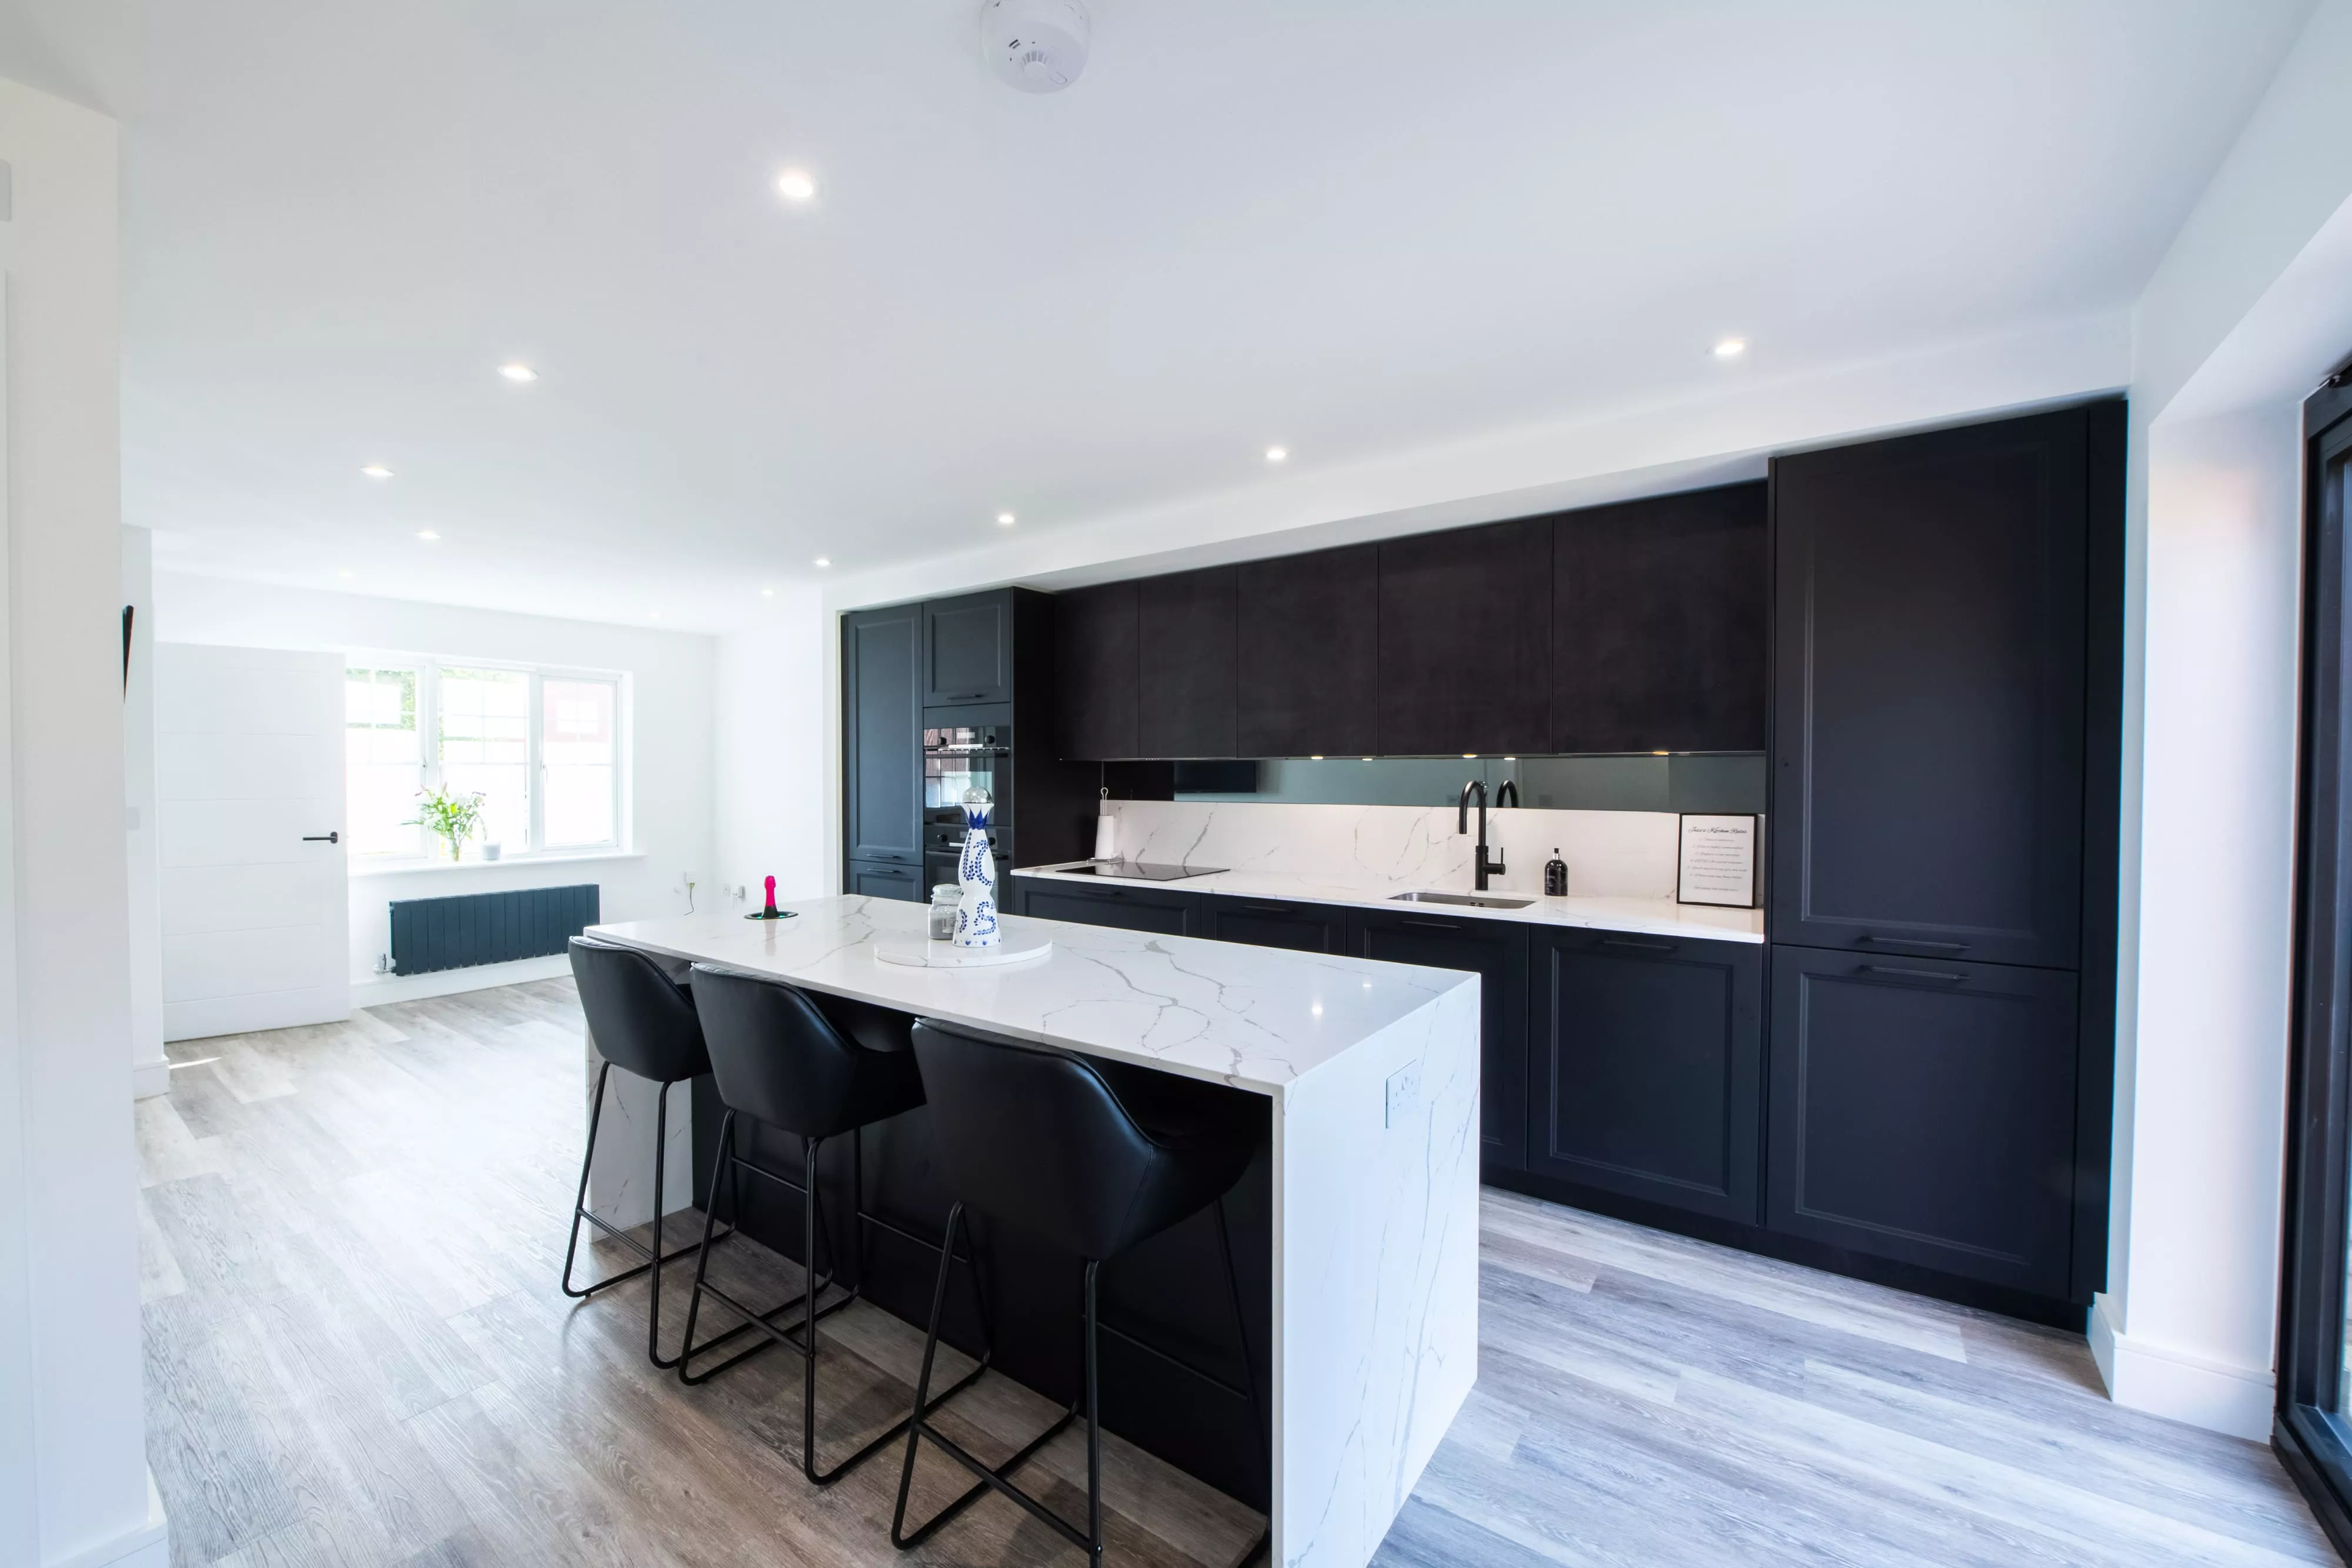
x: 1717, y: 860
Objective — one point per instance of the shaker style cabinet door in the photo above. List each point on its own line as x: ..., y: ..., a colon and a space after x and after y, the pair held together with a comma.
x: 967, y: 649
x: 881, y: 656
x: 1497, y: 952
x: 1929, y: 693
x: 1095, y: 673
x: 1464, y: 640
x: 1271, y: 923
x: 1127, y: 908
x: 1184, y: 646
x: 1308, y: 647
x: 1646, y: 1067
x: 1923, y: 1111
x: 1659, y: 609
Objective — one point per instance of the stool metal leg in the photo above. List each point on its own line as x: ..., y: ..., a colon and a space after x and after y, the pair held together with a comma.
x: 918, y: 1427
x: 1094, y: 1429
x: 728, y: 1159
x: 655, y: 1259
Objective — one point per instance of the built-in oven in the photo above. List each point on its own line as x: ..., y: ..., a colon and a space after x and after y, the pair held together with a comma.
x: 957, y: 758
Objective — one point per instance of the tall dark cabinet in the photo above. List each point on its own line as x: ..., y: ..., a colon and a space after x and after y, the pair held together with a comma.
x: 1097, y: 700
x: 1186, y: 693
x: 976, y: 674
x: 1307, y: 635
x: 1946, y: 616
x: 882, y: 766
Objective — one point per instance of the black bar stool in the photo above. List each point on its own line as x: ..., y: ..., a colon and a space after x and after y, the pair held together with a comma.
x: 1093, y: 1159
x: 644, y: 1023
x: 778, y: 1059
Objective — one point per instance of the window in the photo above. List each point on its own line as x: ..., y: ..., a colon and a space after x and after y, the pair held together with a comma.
x: 543, y: 748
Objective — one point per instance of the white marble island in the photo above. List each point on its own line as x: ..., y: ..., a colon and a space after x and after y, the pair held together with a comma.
x: 1372, y: 1072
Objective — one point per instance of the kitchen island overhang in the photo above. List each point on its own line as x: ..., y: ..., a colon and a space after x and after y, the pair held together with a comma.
x: 1371, y: 1075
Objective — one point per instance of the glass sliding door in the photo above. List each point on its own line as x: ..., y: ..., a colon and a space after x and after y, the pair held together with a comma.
x: 2313, y: 1429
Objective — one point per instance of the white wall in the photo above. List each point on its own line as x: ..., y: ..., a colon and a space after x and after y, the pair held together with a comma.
x: 2250, y: 309
x: 73, y: 1481
x: 671, y: 797
x: 776, y: 738
x: 151, y: 1071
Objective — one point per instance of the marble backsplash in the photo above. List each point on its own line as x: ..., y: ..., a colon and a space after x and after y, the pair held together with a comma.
x: 1611, y: 854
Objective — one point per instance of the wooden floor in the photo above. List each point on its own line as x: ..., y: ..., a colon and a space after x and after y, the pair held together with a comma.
x: 356, y: 1355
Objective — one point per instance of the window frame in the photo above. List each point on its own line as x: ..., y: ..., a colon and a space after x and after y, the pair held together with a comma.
x: 428, y: 670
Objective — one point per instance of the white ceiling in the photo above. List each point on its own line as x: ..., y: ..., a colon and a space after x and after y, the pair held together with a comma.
x: 1355, y: 228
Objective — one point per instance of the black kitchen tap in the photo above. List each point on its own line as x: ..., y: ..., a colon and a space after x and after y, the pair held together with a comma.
x: 1481, y: 867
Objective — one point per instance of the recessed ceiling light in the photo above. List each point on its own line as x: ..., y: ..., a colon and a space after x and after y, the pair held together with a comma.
x: 342, y: 574
x: 1731, y: 347
x: 1004, y: 520
x: 767, y: 593
x: 795, y: 185
x: 824, y: 560
x: 1277, y: 454
x: 653, y: 614
x: 376, y: 471
x: 518, y: 373
x: 427, y: 535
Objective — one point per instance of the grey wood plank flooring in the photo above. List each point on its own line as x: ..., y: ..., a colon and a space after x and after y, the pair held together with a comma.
x: 357, y: 1357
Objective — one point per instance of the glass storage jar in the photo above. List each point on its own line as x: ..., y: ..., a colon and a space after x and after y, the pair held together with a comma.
x: 945, y: 897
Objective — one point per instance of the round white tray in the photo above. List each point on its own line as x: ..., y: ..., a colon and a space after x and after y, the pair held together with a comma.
x: 947, y: 956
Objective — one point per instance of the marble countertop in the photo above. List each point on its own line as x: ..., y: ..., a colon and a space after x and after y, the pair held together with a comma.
x: 1257, y: 1017
x: 1647, y: 916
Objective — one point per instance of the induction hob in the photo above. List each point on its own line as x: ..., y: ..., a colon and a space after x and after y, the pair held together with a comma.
x: 1140, y: 870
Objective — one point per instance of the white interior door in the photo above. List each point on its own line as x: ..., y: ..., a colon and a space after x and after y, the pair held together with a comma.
x: 249, y: 794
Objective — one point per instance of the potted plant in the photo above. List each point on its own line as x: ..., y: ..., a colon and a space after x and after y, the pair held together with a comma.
x: 449, y: 814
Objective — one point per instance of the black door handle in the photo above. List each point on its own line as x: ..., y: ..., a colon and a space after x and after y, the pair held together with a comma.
x: 1644, y: 946
x: 1268, y: 908
x: 1914, y: 974
x: 1429, y: 925
x: 965, y: 697
x: 1912, y: 941
x: 333, y: 838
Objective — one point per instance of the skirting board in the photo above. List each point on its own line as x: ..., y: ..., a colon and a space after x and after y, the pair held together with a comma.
x: 381, y: 989
x: 148, y: 1545
x: 2178, y: 1385
x: 149, y: 1079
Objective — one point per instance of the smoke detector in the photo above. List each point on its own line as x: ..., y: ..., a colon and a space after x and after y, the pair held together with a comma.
x: 1037, y: 46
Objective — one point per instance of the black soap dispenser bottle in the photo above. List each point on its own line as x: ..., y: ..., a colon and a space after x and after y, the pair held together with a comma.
x: 1555, y: 875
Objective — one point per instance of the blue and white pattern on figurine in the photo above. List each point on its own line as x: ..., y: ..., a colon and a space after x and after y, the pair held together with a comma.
x: 976, y: 873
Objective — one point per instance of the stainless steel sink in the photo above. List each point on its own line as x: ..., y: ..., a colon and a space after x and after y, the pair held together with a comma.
x: 1476, y: 900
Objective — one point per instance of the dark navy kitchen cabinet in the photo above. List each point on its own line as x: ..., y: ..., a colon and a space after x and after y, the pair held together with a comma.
x: 1923, y: 1111
x: 1096, y: 704
x: 1659, y: 609
x: 1307, y: 636
x: 1464, y: 640
x: 1929, y: 704
x: 882, y: 879
x: 1185, y: 638
x: 1645, y: 1067
x: 1128, y: 908
x: 1275, y: 923
x: 1497, y: 952
x: 882, y: 771
x: 967, y: 649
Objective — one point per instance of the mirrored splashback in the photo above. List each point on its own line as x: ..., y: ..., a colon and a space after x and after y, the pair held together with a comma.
x: 1711, y: 781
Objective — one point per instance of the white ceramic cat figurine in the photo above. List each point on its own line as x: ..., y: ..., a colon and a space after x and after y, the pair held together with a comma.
x: 976, y: 873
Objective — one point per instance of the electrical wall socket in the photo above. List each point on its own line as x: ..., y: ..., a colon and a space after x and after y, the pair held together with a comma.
x: 1404, y: 1094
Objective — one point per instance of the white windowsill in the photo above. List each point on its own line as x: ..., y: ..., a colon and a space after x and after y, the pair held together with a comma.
x: 411, y: 868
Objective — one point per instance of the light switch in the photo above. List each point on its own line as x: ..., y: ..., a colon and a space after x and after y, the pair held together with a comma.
x: 1404, y: 1093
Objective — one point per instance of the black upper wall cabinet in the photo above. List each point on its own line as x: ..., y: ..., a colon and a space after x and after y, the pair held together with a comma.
x: 1464, y: 640
x: 1185, y: 638
x: 1308, y: 633
x: 882, y: 769
x: 1096, y: 673
x: 967, y: 649
x: 1927, y: 782
x: 1658, y: 623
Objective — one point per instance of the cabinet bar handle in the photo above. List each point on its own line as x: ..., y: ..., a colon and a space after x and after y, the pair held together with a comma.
x: 1913, y: 974
x: 1431, y: 924
x: 1268, y: 908
x: 1913, y: 942
x: 1645, y: 947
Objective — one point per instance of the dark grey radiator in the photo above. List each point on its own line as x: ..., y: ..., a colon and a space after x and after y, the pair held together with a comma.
x: 430, y: 934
